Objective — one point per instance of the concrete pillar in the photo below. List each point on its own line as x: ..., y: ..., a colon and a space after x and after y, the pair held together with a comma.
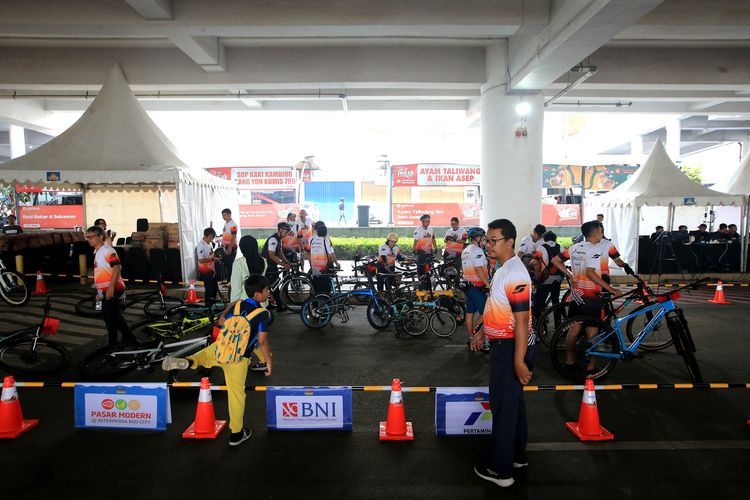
x: 636, y: 150
x: 511, y: 185
x: 672, y: 146
x: 17, y: 141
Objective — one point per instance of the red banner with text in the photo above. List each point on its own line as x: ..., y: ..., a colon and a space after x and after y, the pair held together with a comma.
x: 561, y: 215
x: 50, y: 216
x: 265, y: 214
x: 407, y: 214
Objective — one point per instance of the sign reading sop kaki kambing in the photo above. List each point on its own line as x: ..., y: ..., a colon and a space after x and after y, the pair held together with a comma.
x: 436, y: 174
x: 258, y: 178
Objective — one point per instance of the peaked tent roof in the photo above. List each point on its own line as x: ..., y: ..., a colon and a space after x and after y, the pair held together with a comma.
x: 739, y: 181
x: 658, y: 182
x: 113, y: 142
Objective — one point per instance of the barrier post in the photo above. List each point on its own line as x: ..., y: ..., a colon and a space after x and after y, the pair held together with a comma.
x: 19, y: 264
x: 83, y: 269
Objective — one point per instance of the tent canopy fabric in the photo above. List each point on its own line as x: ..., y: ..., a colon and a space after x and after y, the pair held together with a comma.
x: 658, y: 182
x: 739, y: 181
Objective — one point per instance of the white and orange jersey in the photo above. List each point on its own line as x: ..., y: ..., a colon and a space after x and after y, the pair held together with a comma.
x: 454, y: 241
x: 229, y: 235
x: 550, y: 273
x: 390, y: 254
x: 290, y: 241
x: 585, y: 255
x: 510, y: 293
x: 303, y: 229
x: 423, y: 238
x: 104, y: 260
x: 320, y: 249
x: 471, y: 258
x: 608, y: 251
x: 529, y: 246
x: 205, y: 251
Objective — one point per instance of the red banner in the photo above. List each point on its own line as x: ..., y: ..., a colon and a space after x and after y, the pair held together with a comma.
x: 261, y: 178
x: 561, y: 215
x: 407, y: 214
x: 266, y: 214
x: 404, y: 175
x: 436, y: 174
x: 50, y: 216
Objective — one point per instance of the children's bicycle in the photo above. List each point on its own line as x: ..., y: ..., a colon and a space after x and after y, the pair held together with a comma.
x: 13, y: 289
x: 156, y: 302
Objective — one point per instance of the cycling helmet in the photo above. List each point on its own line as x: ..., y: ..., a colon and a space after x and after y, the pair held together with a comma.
x: 392, y: 237
x: 283, y: 225
x: 425, y: 216
x: 475, y: 232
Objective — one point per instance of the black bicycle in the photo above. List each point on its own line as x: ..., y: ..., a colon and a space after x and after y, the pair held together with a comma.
x: 28, y: 352
x: 157, y: 302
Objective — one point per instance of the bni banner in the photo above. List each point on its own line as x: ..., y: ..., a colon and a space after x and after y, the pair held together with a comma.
x: 143, y: 406
x: 309, y: 408
x: 462, y: 411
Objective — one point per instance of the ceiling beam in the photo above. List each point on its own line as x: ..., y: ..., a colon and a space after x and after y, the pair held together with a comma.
x: 207, y: 51
x: 153, y: 10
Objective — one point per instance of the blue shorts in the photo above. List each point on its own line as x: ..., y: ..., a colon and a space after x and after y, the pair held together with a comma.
x: 475, y: 300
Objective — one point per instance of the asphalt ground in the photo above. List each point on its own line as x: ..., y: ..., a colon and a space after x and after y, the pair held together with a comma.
x: 670, y: 443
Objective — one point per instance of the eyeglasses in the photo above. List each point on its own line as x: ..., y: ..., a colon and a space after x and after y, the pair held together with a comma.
x: 494, y: 241
x: 89, y: 236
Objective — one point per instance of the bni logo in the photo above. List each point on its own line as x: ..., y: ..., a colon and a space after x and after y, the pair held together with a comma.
x: 289, y: 410
x: 485, y: 414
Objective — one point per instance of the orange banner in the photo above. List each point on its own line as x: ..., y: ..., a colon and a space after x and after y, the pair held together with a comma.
x: 50, y: 216
x: 561, y: 215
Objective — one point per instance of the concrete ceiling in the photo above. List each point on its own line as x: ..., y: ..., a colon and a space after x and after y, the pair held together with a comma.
x: 681, y: 57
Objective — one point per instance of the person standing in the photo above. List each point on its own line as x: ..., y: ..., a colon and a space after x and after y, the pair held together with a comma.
x: 304, y: 230
x: 476, y: 273
x: 342, y: 213
x: 12, y: 227
x: 388, y: 254
x: 531, y: 242
x: 229, y: 241
x: 424, y: 244
x: 290, y: 243
x: 109, y: 235
x: 507, y: 326
x: 549, y: 277
x: 207, y: 264
x: 274, y: 255
x: 455, y: 241
x: 322, y: 258
x: 110, y: 285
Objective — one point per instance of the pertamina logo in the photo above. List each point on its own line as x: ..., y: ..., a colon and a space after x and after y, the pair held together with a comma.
x: 485, y: 414
x: 289, y: 409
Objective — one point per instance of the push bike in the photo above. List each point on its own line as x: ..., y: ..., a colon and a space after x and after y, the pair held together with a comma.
x: 320, y: 310
x: 157, y: 302
x: 294, y: 287
x: 596, y: 356
x: 188, y: 321
x: 28, y: 352
x: 13, y: 289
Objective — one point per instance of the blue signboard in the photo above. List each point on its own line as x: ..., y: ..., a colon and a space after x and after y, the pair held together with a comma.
x: 143, y: 406
x: 462, y: 411
x: 308, y: 408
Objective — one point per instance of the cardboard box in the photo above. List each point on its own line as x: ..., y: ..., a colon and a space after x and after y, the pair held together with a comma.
x: 138, y: 236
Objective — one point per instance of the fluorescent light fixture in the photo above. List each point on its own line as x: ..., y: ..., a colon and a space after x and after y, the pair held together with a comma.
x: 523, y: 108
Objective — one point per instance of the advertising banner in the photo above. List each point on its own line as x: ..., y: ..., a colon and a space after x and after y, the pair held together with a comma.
x: 261, y: 178
x: 142, y: 406
x: 436, y: 174
x: 462, y: 411
x: 598, y: 177
x: 265, y: 214
x: 407, y: 214
x: 309, y: 408
x: 561, y: 215
x: 50, y: 216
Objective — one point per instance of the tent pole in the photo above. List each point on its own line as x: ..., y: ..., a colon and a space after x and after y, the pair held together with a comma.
x: 182, y: 234
x: 637, y: 236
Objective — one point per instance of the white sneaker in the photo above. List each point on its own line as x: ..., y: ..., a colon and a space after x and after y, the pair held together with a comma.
x: 489, y: 475
x: 171, y: 363
x: 519, y: 465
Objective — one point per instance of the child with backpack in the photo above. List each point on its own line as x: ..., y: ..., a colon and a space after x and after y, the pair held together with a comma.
x: 243, y: 328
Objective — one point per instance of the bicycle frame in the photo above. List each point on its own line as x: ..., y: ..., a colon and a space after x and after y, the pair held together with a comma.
x: 152, y: 353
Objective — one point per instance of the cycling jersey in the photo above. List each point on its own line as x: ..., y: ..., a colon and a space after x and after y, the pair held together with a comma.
x: 390, y: 254
x: 272, y: 246
x: 585, y: 255
x: 472, y: 257
x: 320, y: 249
x: 510, y: 293
x: 229, y: 235
x: 423, y: 237
x: 454, y: 241
x: 528, y: 245
x: 205, y: 251
x: 290, y: 241
x: 303, y: 228
x: 608, y: 251
x: 545, y: 253
x: 104, y: 260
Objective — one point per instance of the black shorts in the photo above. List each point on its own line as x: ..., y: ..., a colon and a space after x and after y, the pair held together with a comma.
x: 586, y: 306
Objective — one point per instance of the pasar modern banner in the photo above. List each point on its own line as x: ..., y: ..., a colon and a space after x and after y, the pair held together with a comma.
x: 309, y: 408
x: 143, y: 406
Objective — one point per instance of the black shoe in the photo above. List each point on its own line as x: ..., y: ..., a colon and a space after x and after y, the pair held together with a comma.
x: 489, y: 475
x: 237, y: 438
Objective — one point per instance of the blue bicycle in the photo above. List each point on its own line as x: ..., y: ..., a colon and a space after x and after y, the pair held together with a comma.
x: 594, y: 346
x: 320, y: 309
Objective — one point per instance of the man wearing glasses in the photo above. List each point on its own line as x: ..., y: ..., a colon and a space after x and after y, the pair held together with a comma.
x: 507, y: 323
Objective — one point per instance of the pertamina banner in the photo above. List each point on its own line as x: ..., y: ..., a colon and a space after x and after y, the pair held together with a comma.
x: 309, y: 408
x: 462, y: 411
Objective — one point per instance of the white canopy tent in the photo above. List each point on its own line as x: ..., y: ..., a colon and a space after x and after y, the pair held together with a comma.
x: 658, y: 183
x: 739, y: 183
x: 115, y: 143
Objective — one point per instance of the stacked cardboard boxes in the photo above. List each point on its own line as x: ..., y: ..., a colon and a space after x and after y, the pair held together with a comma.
x: 159, y: 235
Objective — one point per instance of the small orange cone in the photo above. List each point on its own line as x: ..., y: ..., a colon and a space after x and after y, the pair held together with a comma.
x: 205, y: 425
x: 719, y: 295
x: 587, y: 428
x: 41, y: 288
x: 396, y: 428
x: 12, y: 423
x: 192, y: 296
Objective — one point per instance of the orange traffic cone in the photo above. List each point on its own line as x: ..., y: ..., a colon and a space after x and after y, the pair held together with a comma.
x: 205, y: 425
x: 396, y: 428
x: 192, y: 296
x: 719, y: 295
x: 12, y: 423
x: 41, y: 288
x: 587, y: 428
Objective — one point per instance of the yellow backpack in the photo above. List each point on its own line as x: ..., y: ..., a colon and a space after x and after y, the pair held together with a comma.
x: 235, y: 335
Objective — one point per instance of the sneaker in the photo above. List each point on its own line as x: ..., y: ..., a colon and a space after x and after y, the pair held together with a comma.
x: 237, y: 438
x: 171, y: 363
x: 489, y: 475
x: 520, y: 465
x: 258, y: 367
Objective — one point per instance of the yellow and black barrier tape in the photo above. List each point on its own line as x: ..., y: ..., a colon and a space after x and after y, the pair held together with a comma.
x: 385, y: 388
x: 126, y: 280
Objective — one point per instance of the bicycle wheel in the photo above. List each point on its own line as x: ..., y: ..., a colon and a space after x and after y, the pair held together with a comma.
x: 296, y: 291
x: 457, y: 309
x: 442, y: 322
x: 683, y: 342
x: 29, y: 356
x: 155, y: 307
x: 87, y: 306
x: 584, y: 365
x: 658, y: 339
x: 317, y: 312
x: 415, y: 322
x: 547, y: 323
x: 109, y: 362
x: 13, y: 288
x: 378, y: 314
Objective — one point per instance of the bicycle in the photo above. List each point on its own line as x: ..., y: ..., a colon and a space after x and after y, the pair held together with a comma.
x: 295, y: 287
x: 13, y: 289
x: 26, y: 352
x: 319, y: 310
x: 157, y: 302
x: 393, y: 307
x: 609, y: 345
x: 190, y: 321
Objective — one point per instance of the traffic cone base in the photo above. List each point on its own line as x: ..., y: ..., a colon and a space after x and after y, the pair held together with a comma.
x: 12, y: 423
x: 25, y: 426
x: 191, y: 434
x: 192, y: 295
x: 719, y: 295
x: 384, y: 436
x: 588, y: 427
x: 603, y: 435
